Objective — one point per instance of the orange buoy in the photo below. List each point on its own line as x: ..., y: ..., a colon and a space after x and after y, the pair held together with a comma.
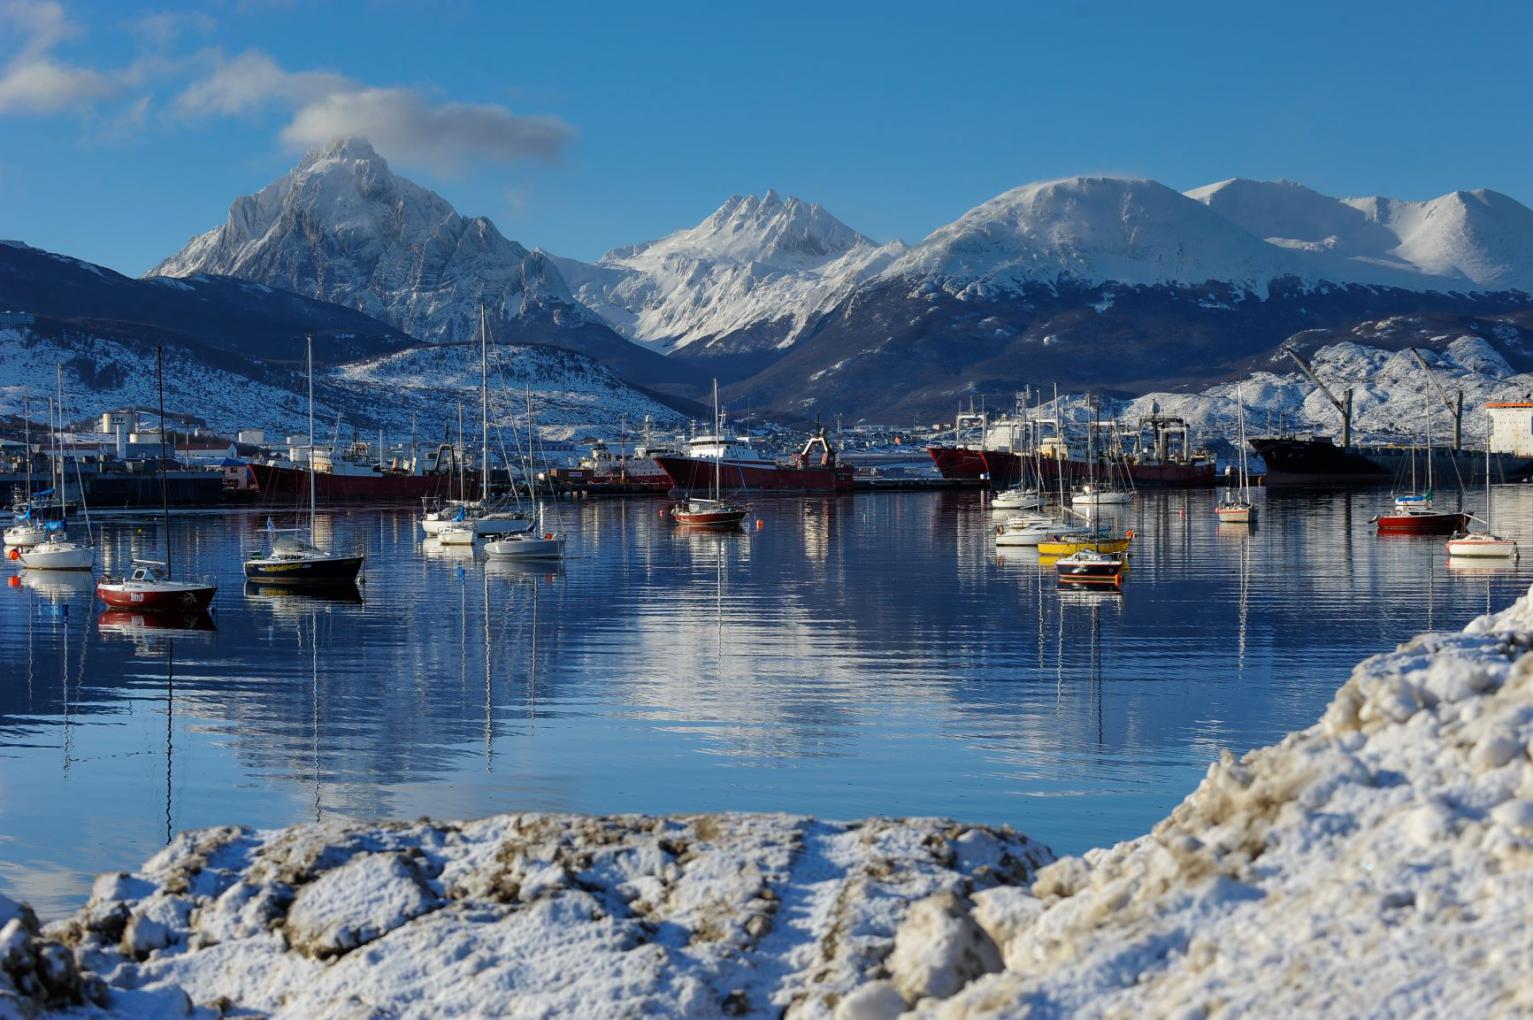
x: 13, y: 553
x: 14, y: 581
x: 760, y: 524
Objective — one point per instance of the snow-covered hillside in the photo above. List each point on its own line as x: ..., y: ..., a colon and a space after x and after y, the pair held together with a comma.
x: 342, y: 227
x: 419, y: 387
x: 758, y: 269
x: 1391, y: 399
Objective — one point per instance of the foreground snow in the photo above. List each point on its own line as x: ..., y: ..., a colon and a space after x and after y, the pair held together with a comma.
x: 1378, y: 863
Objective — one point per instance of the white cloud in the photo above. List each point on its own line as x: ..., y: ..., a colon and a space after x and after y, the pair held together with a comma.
x: 403, y: 123
x: 253, y: 80
x: 47, y: 86
x: 444, y: 136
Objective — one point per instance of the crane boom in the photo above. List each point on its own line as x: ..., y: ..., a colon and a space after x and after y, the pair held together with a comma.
x: 1455, y: 406
x: 1342, y: 406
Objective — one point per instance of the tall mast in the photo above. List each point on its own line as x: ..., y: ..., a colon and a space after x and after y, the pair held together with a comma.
x: 718, y: 433
x: 58, y: 424
x: 159, y: 375
x: 484, y: 408
x: 309, y: 349
x: 26, y: 427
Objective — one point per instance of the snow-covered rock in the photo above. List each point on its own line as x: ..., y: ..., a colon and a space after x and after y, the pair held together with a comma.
x: 344, y: 228
x: 758, y: 270
x: 533, y: 915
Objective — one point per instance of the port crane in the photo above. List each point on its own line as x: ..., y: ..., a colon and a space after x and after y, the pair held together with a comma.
x: 1455, y: 405
x: 1343, y: 406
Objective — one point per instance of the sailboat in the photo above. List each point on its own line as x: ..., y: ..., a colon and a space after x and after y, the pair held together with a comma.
x: 58, y: 552
x: 28, y: 529
x: 1098, y: 539
x: 459, y: 521
x: 151, y: 585
x: 1413, y: 513
x: 1483, y: 544
x: 288, y: 558
x: 527, y: 545
x: 1233, y: 510
x: 714, y: 511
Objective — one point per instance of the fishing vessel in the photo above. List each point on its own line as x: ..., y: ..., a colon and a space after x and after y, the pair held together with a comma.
x: 1233, y: 508
x: 151, y: 586
x: 711, y: 511
x: 814, y: 469
x: 289, y: 557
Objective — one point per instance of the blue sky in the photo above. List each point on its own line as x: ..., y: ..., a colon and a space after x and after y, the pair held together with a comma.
x: 580, y: 127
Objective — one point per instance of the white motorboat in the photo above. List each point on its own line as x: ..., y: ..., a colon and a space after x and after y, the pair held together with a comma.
x: 58, y: 553
x: 457, y: 534
x: 1030, y: 529
x: 25, y: 534
x: 1016, y: 498
x: 1097, y: 495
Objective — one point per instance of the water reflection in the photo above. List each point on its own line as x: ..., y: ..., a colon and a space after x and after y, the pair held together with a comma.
x: 851, y: 656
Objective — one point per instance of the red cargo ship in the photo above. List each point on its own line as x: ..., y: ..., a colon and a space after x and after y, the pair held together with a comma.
x: 812, y: 469
x: 958, y: 461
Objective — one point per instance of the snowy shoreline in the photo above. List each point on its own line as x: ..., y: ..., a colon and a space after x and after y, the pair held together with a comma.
x: 1378, y: 863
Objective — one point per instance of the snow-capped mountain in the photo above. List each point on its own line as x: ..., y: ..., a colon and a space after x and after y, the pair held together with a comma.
x: 343, y: 228
x: 1464, y: 240
x: 753, y: 275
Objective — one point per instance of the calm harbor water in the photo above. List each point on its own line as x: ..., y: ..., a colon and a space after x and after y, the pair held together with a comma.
x: 852, y: 656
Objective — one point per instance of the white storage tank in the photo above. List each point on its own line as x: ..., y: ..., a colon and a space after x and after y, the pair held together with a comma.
x: 1511, y: 428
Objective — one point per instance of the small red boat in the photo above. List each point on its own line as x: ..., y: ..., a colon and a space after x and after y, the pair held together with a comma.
x: 148, y: 589
x: 1414, y: 515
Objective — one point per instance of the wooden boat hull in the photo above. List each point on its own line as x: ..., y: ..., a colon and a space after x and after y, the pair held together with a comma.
x: 1421, y: 524
x: 190, y: 598
x: 327, y: 570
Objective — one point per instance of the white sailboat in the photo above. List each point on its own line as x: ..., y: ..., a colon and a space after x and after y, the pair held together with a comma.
x: 1239, y: 509
x: 1483, y: 544
x: 447, y: 522
x: 543, y: 544
x: 289, y: 558
x: 28, y: 529
x: 59, y: 552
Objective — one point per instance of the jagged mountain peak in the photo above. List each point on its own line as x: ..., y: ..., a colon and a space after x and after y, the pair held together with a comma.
x: 769, y: 230
x: 341, y: 149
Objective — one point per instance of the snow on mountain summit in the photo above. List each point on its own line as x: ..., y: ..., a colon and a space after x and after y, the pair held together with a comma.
x: 758, y: 270
x: 344, y: 228
x: 1464, y: 240
x: 1098, y: 230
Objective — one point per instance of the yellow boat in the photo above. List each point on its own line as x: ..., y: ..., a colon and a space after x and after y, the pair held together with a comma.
x: 1069, y: 546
